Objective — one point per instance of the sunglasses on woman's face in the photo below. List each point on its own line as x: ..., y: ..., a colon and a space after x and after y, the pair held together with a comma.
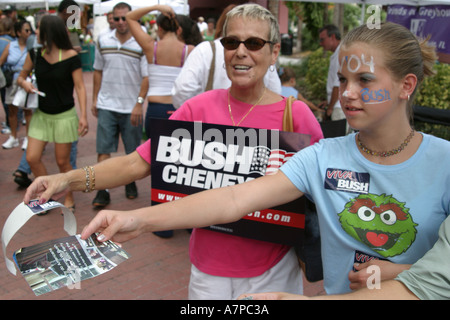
x: 252, y: 44
x: 117, y: 19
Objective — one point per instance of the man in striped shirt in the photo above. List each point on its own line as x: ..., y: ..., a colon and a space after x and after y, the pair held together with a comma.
x: 120, y: 88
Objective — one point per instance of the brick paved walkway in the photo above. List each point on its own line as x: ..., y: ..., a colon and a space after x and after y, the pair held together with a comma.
x: 158, y: 268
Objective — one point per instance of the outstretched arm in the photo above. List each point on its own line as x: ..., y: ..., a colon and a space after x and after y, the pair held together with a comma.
x: 202, y: 209
x: 110, y: 173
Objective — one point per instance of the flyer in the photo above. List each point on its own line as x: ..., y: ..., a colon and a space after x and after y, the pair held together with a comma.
x: 65, y: 262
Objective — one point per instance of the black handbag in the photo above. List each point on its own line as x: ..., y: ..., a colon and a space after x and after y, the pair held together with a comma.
x: 8, y: 71
x: 9, y: 75
x: 309, y: 254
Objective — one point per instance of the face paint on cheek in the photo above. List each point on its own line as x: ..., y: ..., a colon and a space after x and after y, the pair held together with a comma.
x: 375, y: 96
x: 346, y: 94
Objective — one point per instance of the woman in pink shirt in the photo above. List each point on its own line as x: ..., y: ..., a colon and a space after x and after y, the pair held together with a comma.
x: 223, y: 266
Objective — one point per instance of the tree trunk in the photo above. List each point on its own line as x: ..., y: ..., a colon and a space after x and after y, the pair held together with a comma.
x: 272, y: 6
x: 325, y: 14
x: 338, y: 16
x: 299, y: 34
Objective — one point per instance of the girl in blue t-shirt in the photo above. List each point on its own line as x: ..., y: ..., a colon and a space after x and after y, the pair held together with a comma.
x: 288, y: 88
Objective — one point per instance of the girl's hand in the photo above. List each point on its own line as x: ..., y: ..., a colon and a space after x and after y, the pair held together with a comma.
x: 83, y: 127
x: 118, y: 226
x: 367, y: 272
x: 28, y: 86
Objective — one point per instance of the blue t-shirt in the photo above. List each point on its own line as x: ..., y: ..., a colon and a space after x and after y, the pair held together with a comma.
x: 289, y: 91
x: 4, y: 41
x: 367, y: 210
x: 16, y: 58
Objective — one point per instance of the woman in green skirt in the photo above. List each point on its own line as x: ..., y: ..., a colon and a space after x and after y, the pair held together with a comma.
x: 58, y: 71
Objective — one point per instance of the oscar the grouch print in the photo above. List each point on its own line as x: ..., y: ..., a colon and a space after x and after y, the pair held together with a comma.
x: 381, y: 222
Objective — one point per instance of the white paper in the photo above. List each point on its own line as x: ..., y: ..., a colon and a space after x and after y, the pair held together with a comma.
x: 22, y: 213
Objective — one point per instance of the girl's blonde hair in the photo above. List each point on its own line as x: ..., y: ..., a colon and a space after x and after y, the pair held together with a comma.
x: 404, y: 53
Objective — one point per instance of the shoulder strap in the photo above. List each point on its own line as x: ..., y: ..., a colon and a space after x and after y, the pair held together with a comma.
x: 24, y: 53
x: 288, y: 122
x: 154, y: 52
x: 35, y: 52
x: 184, y: 54
x: 21, y: 55
x: 212, y: 67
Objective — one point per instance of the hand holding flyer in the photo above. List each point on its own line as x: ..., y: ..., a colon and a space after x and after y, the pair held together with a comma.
x: 62, y: 262
x: 65, y: 262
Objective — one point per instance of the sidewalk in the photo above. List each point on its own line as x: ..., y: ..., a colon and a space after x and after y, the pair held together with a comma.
x: 158, y: 268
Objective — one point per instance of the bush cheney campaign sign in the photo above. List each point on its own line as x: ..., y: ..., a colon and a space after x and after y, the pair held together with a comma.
x: 188, y: 157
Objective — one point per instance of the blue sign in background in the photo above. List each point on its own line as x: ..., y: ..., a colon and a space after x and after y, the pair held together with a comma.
x: 424, y: 21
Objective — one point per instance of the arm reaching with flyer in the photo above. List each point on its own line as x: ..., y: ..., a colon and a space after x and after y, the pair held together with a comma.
x: 215, y: 206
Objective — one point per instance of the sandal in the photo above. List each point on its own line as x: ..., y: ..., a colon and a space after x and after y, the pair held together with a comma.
x: 21, y: 178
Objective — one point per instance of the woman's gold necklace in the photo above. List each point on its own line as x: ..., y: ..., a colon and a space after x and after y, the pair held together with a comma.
x: 250, y: 110
x: 386, y: 153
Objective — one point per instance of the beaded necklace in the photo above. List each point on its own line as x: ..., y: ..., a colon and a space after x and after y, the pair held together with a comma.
x: 386, y: 153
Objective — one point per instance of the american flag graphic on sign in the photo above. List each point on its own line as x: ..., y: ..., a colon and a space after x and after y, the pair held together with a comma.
x: 266, y: 161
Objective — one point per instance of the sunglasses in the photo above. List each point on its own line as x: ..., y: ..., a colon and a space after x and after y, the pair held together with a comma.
x: 253, y: 44
x: 117, y: 19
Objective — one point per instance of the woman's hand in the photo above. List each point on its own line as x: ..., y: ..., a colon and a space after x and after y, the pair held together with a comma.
x: 46, y: 187
x: 166, y: 10
x: 83, y: 127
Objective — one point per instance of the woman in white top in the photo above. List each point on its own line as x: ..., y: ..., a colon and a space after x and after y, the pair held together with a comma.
x: 165, y: 56
x: 14, y: 55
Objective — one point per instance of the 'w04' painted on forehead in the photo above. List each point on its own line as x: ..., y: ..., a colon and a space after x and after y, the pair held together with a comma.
x: 354, y: 62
